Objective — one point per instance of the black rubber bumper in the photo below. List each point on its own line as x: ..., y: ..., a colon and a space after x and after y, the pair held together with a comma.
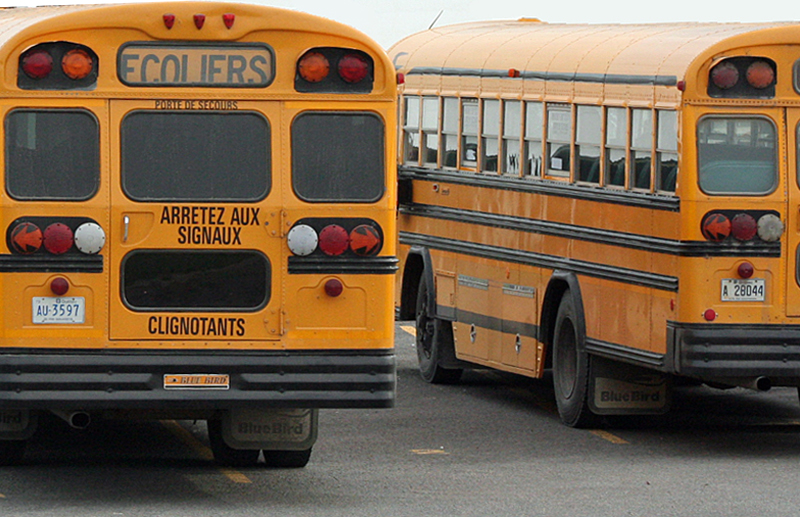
x: 133, y: 380
x: 711, y: 350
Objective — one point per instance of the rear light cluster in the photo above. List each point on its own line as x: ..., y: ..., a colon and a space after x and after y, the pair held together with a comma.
x: 719, y: 225
x: 335, y: 238
x: 57, y: 66
x: 334, y: 70
x: 742, y: 77
x: 26, y: 236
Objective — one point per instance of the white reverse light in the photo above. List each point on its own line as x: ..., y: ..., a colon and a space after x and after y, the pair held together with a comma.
x: 90, y: 238
x: 302, y: 240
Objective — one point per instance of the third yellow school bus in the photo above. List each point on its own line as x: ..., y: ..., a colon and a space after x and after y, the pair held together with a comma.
x: 199, y: 207
x: 618, y: 202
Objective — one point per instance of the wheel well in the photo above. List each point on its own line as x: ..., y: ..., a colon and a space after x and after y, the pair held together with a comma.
x: 408, y: 295
x: 552, y: 298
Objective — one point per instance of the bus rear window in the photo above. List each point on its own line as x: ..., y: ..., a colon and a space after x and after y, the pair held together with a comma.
x: 52, y: 155
x: 737, y: 155
x: 338, y: 157
x: 195, y: 156
x: 196, y: 280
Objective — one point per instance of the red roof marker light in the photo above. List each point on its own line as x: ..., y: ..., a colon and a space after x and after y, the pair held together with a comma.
x: 169, y: 20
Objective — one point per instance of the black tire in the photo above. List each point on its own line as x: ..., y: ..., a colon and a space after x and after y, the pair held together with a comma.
x: 226, y: 455
x: 287, y: 459
x: 12, y: 452
x: 571, y: 367
x: 433, y: 336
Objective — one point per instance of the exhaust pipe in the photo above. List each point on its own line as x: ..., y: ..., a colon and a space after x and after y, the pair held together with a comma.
x: 751, y: 383
x: 76, y: 419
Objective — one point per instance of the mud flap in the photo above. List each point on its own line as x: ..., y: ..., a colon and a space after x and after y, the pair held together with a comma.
x: 270, y: 429
x: 17, y: 424
x: 622, y: 389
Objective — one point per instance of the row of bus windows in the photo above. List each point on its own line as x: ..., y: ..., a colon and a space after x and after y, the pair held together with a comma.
x: 194, y: 156
x: 624, y: 147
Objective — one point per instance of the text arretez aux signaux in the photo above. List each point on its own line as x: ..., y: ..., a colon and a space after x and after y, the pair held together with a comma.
x: 214, y: 225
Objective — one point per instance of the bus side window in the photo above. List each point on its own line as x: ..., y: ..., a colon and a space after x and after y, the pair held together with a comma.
x: 667, y: 151
x: 616, y: 142
x: 559, y: 139
x: 589, y: 136
x: 449, y: 132
x: 469, y: 134
x: 430, y: 131
x: 534, y: 121
x: 411, y: 131
x: 490, y: 135
x: 641, y: 148
x: 512, y: 124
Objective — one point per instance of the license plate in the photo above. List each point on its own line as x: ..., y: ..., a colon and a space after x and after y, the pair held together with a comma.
x: 49, y: 310
x: 736, y: 290
x: 198, y: 381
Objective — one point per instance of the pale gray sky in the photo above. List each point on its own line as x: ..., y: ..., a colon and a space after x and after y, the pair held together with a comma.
x: 389, y: 20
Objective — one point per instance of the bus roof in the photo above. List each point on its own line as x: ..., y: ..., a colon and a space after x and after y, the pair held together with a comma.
x: 20, y: 23
x: 639, y: 54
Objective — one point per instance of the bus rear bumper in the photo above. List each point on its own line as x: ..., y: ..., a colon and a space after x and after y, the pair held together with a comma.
x: 133, y: 380
x: 710, y: 351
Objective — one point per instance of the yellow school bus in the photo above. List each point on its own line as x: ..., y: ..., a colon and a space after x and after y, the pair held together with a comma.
x: 618, y: 203
x: 199, y: 205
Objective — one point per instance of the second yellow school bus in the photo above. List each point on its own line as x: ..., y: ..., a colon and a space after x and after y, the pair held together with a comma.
x: 199, y: 207
x: 617, y: 202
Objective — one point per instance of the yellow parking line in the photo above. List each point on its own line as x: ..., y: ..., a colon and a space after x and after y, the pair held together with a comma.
x: 201, y: 450
x: 409, y: 329
x: 605, y: 435
x: 427, y: 452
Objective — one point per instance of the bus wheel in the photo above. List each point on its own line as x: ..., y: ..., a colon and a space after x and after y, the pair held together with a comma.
x: 571, y: 368
x: 287, y: 459
x: 433, y: 335
x: 225, y: 454
x: 11, y: 452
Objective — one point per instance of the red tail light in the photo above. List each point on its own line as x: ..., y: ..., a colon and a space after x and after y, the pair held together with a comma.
x: 58, y: 238
x: 353, y: 68
x: 37, y: 64
x: 333, y: 240
x: 744, y: 227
